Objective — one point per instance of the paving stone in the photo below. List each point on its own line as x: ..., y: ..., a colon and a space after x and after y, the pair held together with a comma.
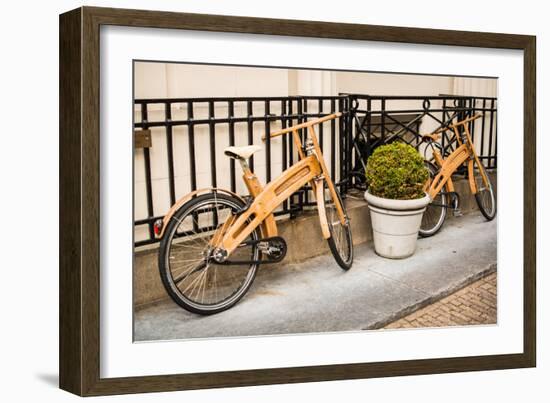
x: 464, y: 307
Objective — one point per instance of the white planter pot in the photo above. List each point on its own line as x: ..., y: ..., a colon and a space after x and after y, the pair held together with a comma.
x: 395, y: 224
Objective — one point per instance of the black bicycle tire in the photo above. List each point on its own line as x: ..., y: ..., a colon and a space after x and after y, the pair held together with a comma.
x: 164, y: 270
x: 487, y: 216
x: 345, y: 265
x: 434, y: 230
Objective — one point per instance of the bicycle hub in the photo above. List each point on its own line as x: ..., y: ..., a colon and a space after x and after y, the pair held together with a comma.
x: 219, y: 255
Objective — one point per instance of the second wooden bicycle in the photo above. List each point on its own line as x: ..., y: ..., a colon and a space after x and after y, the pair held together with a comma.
x: 441, y: 187
x: 213, y: 240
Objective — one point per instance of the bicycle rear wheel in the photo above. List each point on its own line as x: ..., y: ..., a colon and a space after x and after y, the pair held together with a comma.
x: 436, y: 211
x: 485, y: 195
x: 340, y: 242
x: 190, y: 275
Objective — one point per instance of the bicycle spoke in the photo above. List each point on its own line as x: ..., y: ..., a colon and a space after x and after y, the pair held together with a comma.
x: 200, y: 282
x: 205, y: 281
x: 190, y: 264
x: 191, y: 283
x: 183, y: 276
x: 198, y: 287
x: 215, y: 283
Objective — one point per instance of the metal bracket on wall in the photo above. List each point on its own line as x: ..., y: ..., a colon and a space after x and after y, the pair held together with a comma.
x: 142, y: 138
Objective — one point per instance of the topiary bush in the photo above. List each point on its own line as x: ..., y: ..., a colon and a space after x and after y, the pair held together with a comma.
x: 396, y: 171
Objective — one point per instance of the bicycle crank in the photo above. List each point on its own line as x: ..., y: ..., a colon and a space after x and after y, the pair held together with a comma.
x: 455, y: 200
x: 274, y: 248
x: 454, y: 205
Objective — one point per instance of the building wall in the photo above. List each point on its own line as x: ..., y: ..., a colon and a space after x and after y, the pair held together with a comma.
x: 173, y: 80
x: 392, y: 84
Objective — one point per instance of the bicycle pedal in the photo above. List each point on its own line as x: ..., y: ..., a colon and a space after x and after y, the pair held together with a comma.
x: 457, y: 212
x: 273, y: 248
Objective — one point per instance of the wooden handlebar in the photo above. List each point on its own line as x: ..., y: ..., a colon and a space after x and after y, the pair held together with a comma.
x: 462, y: 122
x: 304, y: 125
x: 431, y: 137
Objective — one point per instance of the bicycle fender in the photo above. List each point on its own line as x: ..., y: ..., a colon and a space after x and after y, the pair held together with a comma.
x: 180, y: 202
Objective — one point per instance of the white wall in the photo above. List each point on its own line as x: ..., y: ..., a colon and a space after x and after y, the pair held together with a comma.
x: 393, y: 84
x: 173, y: 80
x: 475, y: 87
x: 178, y: 80
x: 29, y: 167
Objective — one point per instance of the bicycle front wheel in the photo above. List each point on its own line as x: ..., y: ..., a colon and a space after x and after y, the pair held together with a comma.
x: 340, y: 242
x: 190, y: 275
x: 485, y: 195
x: 434, y: 216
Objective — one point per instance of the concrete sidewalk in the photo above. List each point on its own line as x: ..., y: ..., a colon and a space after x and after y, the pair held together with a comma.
x: 318, y: 296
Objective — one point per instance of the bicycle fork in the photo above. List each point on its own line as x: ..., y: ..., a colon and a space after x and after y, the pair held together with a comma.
x: 450, y: 189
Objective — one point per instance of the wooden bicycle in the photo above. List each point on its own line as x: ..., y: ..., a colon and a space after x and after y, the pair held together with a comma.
x: 213, y: 240
x: 441, y: 177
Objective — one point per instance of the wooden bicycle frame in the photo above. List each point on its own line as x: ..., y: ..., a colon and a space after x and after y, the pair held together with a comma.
x: 464, y: 152
x: 310, y: 168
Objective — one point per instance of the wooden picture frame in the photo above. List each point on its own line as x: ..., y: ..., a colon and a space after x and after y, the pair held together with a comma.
x: 80, y: 184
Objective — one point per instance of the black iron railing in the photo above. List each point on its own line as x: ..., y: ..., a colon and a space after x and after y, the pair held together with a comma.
x: 242, y: 121
x: 189, y: 135
x: 380, y: 120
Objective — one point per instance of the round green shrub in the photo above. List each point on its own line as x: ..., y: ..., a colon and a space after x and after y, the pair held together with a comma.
x: 396, y: 171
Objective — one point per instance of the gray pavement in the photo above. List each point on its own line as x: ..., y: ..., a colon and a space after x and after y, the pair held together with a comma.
x: 318, y: 296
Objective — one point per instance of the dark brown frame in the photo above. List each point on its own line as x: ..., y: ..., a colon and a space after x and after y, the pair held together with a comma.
x: 79, y: 200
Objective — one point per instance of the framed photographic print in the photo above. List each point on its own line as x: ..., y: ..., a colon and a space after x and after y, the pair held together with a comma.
x: 285, y: 201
